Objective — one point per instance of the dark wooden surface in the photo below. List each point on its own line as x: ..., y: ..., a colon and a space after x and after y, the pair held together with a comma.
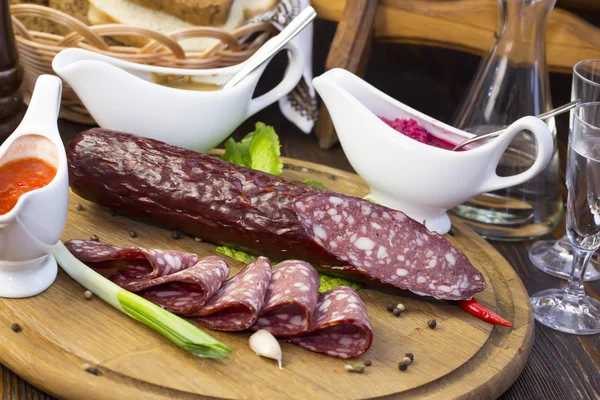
x: 561, y: 366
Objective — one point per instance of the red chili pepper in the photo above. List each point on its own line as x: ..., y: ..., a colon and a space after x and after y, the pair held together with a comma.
x: 475, y: 308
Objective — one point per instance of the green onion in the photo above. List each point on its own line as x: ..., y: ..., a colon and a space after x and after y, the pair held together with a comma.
x: 179, y: 331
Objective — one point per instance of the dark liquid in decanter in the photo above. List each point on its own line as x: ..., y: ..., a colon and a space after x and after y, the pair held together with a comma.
x: 11, y: 75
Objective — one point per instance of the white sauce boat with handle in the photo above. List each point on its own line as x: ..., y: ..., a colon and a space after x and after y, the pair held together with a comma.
x: 36, y: 222
x: 421, y: 180
x: 121, y: 95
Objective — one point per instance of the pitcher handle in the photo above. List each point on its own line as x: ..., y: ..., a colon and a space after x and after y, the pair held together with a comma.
x: 292, y: 76
x: 545, y: 149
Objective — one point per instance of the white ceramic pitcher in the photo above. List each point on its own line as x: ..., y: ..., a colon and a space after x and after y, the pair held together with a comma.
x: 37, y: 221
x: 420, y: 180
x: 121, y: 96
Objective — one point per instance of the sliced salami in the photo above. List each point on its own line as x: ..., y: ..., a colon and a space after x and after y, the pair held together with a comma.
x: 186, y: 291
x: 290, y: 301
x: 236, y: 305
x: 340, y: 326
x: 387, y: 246
x: 134, y: 264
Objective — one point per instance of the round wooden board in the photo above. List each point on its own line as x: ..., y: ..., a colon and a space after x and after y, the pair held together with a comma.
x: 462, y: 358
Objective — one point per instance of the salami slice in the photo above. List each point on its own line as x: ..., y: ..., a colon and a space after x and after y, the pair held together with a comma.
x: 236, y: 305
x: 340, y: 326
x: 291, y: 299
x: 134, y: 264
x: 386, y: 245
x: 186, y: 291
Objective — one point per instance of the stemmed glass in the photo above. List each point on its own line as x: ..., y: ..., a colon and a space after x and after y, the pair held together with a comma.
x: 569, y: 309
x: 555, y: 257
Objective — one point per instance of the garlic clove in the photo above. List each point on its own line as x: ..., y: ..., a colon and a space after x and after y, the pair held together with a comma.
x: 264, y: 344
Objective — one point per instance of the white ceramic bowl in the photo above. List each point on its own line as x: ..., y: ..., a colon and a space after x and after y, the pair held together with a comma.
x: 404, y: 174
x: 121, y: 96
x: 35, y: 224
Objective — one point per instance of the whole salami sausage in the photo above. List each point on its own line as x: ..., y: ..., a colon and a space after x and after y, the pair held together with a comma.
x: 340, y: 326
x: 291, y: 299
x: 265, y: 214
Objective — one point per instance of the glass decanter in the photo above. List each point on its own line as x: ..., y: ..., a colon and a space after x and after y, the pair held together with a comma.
x: 511, y: 82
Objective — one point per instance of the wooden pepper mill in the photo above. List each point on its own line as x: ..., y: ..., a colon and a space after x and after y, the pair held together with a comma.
x: 11, y: 75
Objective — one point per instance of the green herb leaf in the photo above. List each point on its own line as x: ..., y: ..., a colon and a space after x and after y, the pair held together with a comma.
x: 328, y: 282
x: 236, y: 254
x: 315, y: 183
x: 371, y: 200
x: 259, y: 150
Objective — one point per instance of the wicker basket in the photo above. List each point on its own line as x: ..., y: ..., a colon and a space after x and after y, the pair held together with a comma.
x: 37, y: 49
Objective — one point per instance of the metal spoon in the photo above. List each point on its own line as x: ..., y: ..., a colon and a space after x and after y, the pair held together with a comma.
x: 544, y: 116
x: 272, y: 46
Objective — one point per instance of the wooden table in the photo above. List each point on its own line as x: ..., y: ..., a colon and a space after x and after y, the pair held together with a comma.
x: 561, y: 366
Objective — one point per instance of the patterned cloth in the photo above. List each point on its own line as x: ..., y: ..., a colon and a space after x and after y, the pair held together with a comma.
x: 300, y: 105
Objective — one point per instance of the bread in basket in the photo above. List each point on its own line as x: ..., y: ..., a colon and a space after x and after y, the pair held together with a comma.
x: 37, y: 49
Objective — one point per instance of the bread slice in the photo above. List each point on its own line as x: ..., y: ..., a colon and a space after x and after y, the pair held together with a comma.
x: 252, y: 8
x: 75, y: 8
x: 129, y: 13
x: 197, y: 12
x: 38, y: 24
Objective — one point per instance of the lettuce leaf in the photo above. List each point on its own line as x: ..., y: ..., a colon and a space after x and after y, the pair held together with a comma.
x: 236, y: 254
x: 259, y: 150
x: 315, y: 183
x: 328, y: 282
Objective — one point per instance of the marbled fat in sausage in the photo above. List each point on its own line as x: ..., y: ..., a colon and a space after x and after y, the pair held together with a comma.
x: 340, y: 326
x: 291, y: 299
x: 236, y: 305
x: 386, y: 245
x: 265, y: 214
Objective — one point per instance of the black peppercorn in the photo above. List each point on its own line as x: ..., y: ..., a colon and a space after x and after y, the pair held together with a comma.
x: 431, y: 323
x: 16, y: 328
x: 368, y: 363
x: 390, y: 307
x: 133, y: 234
x: 176, y: 235
x: 397, y: 312
x: 95, y: 238
x: 402, y: 366
x: 79, y: 207
x: 410, y: 356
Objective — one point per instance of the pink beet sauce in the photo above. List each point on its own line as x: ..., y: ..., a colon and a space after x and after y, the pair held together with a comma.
x: 410, y: 128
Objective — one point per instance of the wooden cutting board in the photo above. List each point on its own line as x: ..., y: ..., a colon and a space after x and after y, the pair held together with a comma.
x: 462, y: 358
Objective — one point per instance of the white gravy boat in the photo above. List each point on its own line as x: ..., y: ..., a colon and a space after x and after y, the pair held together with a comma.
x: 421, y: 180
x: 36, y: 222
x: 121, y: 95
